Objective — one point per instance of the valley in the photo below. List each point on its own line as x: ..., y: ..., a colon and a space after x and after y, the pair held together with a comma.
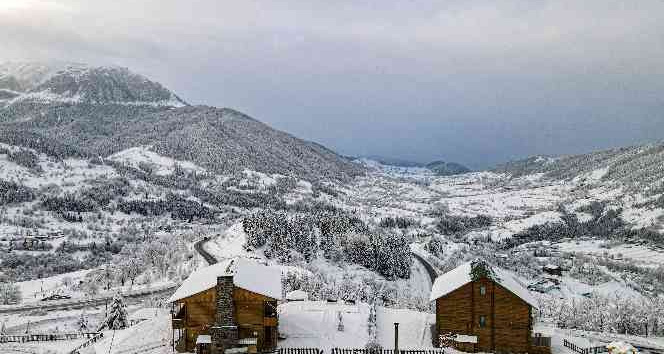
x: 89, y: 210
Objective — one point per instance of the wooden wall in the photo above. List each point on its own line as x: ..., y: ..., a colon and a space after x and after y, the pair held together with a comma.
x: 250, y: 312
x: 513, y: 322
x: 201, y: 308
x: 507, y: 317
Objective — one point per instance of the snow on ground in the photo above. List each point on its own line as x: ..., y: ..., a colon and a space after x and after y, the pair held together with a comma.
x: 162, y: 165
x: 59, y: 347
x: 229, y: 244
x: 419, y: 280
x: 414, y: 328
x: 153, y: 335
x: 643, y: 217
x: 509, y: 228
x: 35, y: 290
x: 613, y: 289
x: 262, y: 179
x: 150, y: 336
x: 69, y: 174
x: 637, y: 253
x: 590, y: 339
x: 316, y: 324
x: 506, y: 204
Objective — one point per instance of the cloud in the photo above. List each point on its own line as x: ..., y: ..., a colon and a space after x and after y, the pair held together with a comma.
x: 474, y: 81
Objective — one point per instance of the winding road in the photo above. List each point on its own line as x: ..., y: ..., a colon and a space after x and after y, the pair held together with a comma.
x: 433, y: 274
x: 198, y: 246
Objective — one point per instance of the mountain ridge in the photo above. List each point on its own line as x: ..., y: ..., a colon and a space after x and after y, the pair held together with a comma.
x: 632, y: 166
x: 95, y: 112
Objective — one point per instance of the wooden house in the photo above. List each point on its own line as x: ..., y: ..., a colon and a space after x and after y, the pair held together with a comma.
x: 228, y: 305
x: 482, y: 309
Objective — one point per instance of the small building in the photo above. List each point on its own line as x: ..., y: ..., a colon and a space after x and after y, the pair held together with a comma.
x: 552, y: 269
x: 544, y: 286
x: 484, y: 309
x: 297, y: 295
x: 56, y: 297
x: 230, y: 306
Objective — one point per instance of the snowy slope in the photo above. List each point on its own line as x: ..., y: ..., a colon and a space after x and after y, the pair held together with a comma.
x: 162, y: 165
x: 80, y: 83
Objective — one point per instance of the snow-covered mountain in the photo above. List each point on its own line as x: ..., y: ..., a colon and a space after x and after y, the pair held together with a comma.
x: 640, y: 167
x: 74, y: 83
x: 85, y: 111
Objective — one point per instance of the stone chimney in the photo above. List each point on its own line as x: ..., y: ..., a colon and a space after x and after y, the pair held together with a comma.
x: 224, y: 332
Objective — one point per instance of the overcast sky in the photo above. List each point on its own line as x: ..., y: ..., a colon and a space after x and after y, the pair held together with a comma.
x: 478, y: 82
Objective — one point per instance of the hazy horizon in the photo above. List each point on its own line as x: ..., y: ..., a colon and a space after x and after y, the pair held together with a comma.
x: 476, y: 82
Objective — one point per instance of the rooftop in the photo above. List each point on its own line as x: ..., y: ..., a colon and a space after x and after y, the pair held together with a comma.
x: 461, y: 276
x: 248, y: 275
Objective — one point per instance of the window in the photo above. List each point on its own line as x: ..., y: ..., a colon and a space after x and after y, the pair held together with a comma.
x: 482, y: 290
x: 482, y: 321
x: 270, y: 309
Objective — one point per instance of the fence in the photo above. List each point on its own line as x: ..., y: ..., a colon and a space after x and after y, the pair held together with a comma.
x: 300, y: 351
x: 22, y: 338
x: 359, y: 351
x: 541, y: 341
x: 88, y: 343
x: 591, y: 350
x: 385, y: 351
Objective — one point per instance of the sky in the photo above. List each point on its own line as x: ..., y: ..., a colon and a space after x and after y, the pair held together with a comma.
x: 476, y: 82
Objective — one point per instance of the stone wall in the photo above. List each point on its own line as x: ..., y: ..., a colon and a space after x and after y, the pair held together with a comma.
x: 224, y: 332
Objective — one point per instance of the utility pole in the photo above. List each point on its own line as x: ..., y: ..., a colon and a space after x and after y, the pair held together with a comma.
x: 396, y: 337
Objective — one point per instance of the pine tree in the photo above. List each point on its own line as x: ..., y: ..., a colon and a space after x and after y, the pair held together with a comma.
x: 82, y: 322
x: 117, y: 315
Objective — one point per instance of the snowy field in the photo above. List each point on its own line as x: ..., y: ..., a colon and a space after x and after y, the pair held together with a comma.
x: 634, y: 253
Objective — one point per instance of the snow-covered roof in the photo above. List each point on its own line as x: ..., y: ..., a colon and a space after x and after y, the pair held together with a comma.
x: 248, y: 275
x: 204, y: 339
x: 462, y: 338
x: 297, y: 295
x: 461, y: 276
x: 621, y: 348
x: 264, y: 280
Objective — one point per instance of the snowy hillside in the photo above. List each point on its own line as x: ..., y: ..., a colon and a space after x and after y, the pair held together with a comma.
x: 80, y: 83
x: 638, y: 167
x: 76, y: 110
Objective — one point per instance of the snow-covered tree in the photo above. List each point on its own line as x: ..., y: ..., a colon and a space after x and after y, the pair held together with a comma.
x: 82, y: 323
x: 10, y: 294
x: 117, y: 315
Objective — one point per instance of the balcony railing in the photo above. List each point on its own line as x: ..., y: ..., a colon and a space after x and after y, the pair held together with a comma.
x: 540, y: 341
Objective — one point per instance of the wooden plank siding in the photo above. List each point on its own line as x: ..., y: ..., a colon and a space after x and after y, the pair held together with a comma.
x: 200, y: 311
x: 507, y: 318
x: 250, y: 313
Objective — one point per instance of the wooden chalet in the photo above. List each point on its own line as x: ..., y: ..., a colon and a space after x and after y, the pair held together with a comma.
x: 230, y: 306
x: 482, y: 309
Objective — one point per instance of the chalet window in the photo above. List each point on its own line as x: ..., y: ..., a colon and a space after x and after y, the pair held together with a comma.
x: 482, y: 290
x: 271, y: 309
x: 482, y: 321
